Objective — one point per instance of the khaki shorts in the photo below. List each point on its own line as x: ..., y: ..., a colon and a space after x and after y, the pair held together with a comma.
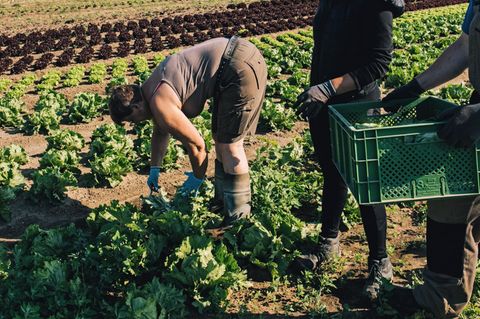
x: 240, y: 94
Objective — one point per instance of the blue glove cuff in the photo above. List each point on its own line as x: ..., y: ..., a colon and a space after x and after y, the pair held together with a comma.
x: 196, y: 180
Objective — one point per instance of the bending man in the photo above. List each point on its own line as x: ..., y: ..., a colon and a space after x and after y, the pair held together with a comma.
x: 233, y: 73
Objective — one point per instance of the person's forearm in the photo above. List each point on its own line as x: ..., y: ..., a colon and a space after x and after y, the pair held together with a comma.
x: 344, y: 84
x: 159, y: 143
x: 198, y: 158
x: 452, y: 62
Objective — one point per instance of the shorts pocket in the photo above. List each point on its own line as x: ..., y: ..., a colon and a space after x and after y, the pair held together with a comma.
x: 255, y: 65
x: 236, y: 120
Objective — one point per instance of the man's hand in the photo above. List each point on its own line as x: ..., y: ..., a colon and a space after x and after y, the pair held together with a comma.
x: 311, y: 101
x: 192, y: 184
x: 463, y: 126
x: 152, y: 181
x: 410, y: 90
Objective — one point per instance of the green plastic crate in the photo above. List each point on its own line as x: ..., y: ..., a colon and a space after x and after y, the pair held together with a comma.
x: 402, y: 160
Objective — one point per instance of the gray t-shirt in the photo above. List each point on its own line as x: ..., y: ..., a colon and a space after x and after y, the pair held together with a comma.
x: 191, y: 73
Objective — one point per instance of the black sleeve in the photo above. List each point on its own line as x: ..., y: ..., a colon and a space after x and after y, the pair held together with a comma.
x: 379, y: 40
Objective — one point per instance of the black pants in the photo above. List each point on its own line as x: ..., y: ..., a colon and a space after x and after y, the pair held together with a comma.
x: 475, y: 99
x: 335, y: 190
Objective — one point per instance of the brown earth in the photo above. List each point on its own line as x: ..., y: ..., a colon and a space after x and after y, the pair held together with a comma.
x: 27, y: 16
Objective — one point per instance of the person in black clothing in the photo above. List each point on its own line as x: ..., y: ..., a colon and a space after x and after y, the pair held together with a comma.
x: 353, y: 45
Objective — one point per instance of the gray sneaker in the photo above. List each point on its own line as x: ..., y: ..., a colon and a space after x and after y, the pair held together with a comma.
x: 379, y: 270
x: 328, y: 248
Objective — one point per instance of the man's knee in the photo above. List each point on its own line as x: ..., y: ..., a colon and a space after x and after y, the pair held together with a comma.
x: 233, y: 157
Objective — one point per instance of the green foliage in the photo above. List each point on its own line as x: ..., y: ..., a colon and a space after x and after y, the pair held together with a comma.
x: 205, y: 269
x: 280, y: 185
x: 143, y: 149
x: 119, y: 68
x: 140, y: 65
x: 111, y: 137
x: 65, y: 140
x: 28, y: 79
x: 50, y: 184
x: 203, y: 124
x: 44, y: 121
x: 97, y: 73
x: 276, y: 117
x: 19, y: 89
x: 49, y: 81
x: 10, y: 175
x: 154, y: 300
x: 14, y: 154
x: 284, y: 91
x: 11, y: 179
x: 74, y: 76
x: 64, y: 160
x: 157, y: 262
x: 50, y: 99
x: 10, y: 112
x: 5, y: 83
x: 85, y: 107
x: 110, y: 167
x: 111, y: 154
x: 7, y: 194
x: 142, y: 77
x: 456, y: 93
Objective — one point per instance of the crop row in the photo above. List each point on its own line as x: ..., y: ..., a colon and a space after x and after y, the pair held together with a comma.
x: 81, y: 44
x: 158, y: 261
x: 287, y: 55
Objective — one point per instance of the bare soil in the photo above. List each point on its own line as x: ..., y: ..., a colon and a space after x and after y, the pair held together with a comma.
x: 26, y: 16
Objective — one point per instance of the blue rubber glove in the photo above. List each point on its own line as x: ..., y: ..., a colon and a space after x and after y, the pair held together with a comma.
x: 152, y: 181
x: 192, y: 184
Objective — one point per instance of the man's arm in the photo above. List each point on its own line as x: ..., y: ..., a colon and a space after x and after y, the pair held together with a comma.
x: 169, y: 117
x: 452, y: 62
x: 160, y: 141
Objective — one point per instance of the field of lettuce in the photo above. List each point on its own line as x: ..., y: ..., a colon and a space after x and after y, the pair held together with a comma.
x: 80, y: 238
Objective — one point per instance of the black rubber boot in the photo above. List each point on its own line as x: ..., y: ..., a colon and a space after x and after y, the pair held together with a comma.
x: 237, y: 197
x: 217, y: 203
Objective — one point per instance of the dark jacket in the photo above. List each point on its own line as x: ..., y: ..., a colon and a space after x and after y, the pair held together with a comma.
x: 354, y: 37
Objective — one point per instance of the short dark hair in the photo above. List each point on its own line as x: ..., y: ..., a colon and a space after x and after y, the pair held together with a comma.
x: 122, y: 99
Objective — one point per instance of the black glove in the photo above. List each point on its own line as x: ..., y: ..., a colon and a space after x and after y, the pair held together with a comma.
x: 463, y: 126
x: 410, y: 90
x: 397, y: 7
x: 312, y: 100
